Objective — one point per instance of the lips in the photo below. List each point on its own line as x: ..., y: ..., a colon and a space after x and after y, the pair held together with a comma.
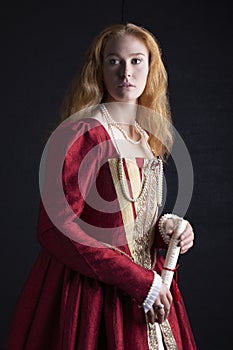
x: 126, y: 85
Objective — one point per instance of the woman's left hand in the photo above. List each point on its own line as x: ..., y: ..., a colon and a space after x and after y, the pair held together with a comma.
x: 186, y: 238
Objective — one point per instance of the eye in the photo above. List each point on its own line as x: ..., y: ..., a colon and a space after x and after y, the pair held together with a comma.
x: 114, y: 61
x: 136, y: 60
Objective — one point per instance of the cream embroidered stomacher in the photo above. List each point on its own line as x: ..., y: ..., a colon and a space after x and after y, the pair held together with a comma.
x: 140, y: 234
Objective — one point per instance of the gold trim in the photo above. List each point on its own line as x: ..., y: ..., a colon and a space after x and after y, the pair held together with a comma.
x: 153, y: 343
x: 126, y: 206
x: 168, y: 336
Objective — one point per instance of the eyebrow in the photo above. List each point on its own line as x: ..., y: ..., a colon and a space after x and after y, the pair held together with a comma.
x: 132, y: 54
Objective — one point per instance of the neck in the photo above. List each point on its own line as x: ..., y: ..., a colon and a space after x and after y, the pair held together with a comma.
x: 122, y: 112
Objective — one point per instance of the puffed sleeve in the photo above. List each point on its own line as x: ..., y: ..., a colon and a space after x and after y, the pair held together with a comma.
x: 59, y: 231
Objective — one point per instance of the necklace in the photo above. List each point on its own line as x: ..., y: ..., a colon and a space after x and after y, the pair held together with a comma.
x: 111, y: 121
x: 149, y: 170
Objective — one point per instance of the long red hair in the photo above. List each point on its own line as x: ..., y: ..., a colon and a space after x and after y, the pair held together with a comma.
x: 87, y: 89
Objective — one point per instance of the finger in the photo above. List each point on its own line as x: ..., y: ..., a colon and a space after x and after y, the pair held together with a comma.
x: 160, y: 313
x: 188, y: 232
x: 167, y: 300
x: 186, y: 241
x: 166, y: 314
x: 170, y: 298
x: 187, y: 236
x: 151, y: 316
x: 186, y: 247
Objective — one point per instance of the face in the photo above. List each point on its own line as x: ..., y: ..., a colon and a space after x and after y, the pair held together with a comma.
x: 125, y: 68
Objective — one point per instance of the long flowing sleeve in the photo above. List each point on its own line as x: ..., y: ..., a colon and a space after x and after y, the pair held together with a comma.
x: 60, y: 228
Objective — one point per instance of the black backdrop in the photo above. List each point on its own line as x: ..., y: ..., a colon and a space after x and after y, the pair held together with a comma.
x: 42, y: 45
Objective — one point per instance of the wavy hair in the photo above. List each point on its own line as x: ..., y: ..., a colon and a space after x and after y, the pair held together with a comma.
x: 87, y: 89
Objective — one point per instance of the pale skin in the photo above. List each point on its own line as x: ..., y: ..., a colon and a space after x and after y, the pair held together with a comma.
x: 125, y: 71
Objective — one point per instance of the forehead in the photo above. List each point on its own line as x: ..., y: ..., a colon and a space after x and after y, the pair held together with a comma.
x: 125, y: 44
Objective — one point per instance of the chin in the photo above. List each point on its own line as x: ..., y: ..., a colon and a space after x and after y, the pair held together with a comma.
x: 127, y: 99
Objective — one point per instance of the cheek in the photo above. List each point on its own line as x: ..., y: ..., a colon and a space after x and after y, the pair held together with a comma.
x: 144, y: 74
x: 107, y: 75
x: 146, y: 71
x: 106, y: 78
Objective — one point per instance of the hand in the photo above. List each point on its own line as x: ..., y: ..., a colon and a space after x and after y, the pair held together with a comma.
x: 186, y: 238
x: 157, y: 314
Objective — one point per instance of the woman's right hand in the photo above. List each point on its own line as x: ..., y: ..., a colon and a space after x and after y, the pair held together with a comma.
x: 161, y: 307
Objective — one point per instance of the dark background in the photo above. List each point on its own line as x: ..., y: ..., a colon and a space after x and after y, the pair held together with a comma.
x: 42, y: 45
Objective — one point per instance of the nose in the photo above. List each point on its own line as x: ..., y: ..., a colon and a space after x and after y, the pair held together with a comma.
x: 125, y: 70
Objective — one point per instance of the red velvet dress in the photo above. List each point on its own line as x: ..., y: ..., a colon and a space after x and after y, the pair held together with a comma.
x: 82, y: 294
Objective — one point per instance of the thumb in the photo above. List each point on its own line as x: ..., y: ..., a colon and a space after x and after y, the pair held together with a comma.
x: 169, y: 226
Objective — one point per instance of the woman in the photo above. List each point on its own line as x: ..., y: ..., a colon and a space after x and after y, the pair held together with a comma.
x: 96, y: 283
